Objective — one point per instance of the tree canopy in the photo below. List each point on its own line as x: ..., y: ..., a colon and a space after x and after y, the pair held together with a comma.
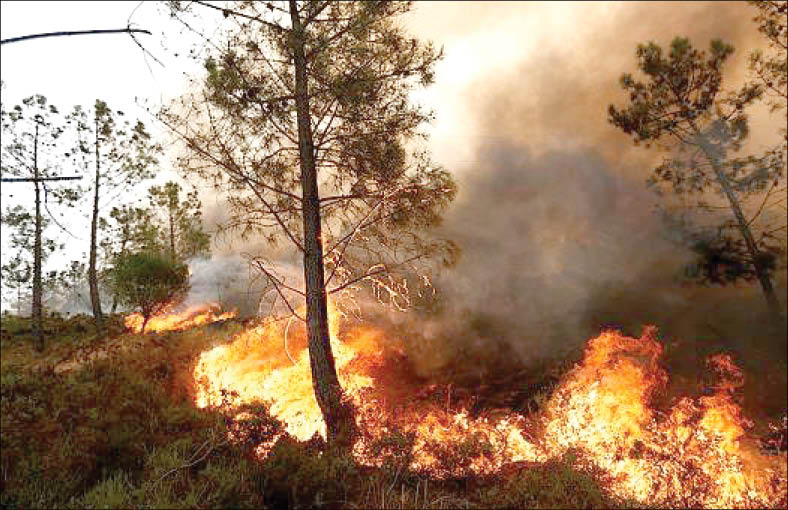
x: 378, y: 196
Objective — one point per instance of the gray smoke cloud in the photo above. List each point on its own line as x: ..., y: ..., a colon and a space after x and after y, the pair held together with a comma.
x: 541, y: 238
x: 230, y: 280
x: 224, y: 279
x: 559, y: 235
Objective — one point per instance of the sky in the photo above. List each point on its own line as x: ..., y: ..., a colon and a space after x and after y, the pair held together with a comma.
x: 552, y: 209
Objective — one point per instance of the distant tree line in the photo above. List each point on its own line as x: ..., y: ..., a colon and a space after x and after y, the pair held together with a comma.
x: 113, y: 156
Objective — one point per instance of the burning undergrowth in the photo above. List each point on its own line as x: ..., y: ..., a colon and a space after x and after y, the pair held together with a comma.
x: 603, y: 413
x: 171, y: 320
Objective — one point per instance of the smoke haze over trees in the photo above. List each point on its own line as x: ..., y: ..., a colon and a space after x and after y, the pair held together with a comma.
x: 557, y: 231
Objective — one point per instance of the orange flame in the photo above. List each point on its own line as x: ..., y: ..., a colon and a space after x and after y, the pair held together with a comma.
x: 695, y: 455
x: 193, y: 316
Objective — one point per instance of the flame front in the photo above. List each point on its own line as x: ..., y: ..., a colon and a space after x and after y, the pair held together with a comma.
x: 193, y: 316
x: 694, y: 455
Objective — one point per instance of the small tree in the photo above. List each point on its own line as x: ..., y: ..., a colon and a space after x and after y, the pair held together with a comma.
x: 16, y: 275
x: 148, y: 282
x: 128, y: 230
x: 681, y: 102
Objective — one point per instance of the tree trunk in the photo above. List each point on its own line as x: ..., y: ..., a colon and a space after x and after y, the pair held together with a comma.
x: 172, y: 234
x: 38, y: 330
x: 328, y: 392
x: 95, y: 298
x: 114, y: 296
x: 752, y: 248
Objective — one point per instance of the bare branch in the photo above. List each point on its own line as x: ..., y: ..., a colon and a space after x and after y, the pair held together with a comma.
x: 127, y: 30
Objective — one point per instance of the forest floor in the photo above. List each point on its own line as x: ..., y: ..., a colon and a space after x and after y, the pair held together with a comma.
x: 109, y: 421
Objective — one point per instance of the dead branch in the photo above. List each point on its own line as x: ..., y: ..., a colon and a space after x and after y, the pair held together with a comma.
x: 126, y: 30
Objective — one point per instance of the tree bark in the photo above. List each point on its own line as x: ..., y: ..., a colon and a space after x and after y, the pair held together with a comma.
x: 38, y: 330
x: 95, y: 298
x: 172, y: 232
x: 328, y: 392
x: 114, y: 296
x: 741, y: 222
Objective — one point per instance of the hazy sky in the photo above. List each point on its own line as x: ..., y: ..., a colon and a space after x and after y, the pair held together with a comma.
x: 521, y: 81
x: 539, y: 72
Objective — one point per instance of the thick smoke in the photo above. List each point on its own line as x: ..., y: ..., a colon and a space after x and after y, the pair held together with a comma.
x: 540, y: 236
x: 230, y: 280
x: 559, y: 235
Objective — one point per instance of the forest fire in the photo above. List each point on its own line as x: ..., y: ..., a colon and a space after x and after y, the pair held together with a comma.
x: 178, y: 321
x: 695, y: 455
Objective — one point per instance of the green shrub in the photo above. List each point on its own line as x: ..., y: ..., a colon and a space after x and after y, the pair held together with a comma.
x: 554, y: 484
x: 113, y: 492
x: 304, y: 474
x: 148, y: 282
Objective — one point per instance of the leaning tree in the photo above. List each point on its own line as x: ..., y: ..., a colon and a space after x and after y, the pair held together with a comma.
x: 304, y: 118
x: 682, y: 104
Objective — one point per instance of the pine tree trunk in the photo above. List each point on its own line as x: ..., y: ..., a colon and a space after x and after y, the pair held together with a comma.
x: 115, y: 296
x: 172, y: 234
x: 761, y: 271
x: 95, y: 298
x: 328, y: 392
x: 38, y: 330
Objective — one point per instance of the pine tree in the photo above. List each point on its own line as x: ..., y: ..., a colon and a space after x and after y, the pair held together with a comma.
x: 303, y: 118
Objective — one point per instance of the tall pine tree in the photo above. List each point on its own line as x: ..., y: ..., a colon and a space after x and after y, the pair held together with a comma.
x: 303, y: 118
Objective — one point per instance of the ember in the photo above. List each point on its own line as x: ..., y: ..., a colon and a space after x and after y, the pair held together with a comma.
x: 696, y: 455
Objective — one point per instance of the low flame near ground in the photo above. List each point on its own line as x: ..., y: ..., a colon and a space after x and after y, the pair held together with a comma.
x: 695, y: 455
x: 167, y: 320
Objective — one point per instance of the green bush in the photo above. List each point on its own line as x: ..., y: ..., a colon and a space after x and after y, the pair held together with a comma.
x: 554, y: 484
x: 297, y: 474
x: 148, y: 282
